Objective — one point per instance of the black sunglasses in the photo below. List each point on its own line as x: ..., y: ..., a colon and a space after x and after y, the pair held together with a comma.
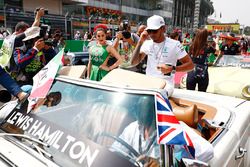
x: 152, y: 31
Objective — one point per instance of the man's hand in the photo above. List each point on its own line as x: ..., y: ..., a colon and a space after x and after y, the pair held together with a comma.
x: 143, y: 37
x: 148, y: 161
x: 39, y: 44
x: 119, y: 35
x: 40, y: 13
x: 165, y: 69
x: 21, y: 95
x: 137, y: 57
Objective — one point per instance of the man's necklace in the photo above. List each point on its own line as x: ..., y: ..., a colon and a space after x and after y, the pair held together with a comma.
x: 159, y: 52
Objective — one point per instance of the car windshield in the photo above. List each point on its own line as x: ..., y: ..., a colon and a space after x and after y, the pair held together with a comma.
x: 233, y: 61
x: 84, y: 124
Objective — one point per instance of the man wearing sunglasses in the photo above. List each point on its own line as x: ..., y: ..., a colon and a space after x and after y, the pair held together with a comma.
x: 162, y: 53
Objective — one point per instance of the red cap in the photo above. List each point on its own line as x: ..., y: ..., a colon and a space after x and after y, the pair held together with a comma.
x: 100, y: 26
x: 229, y: 37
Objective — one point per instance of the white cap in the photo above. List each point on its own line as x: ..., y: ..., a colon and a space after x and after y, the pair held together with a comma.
x: 155, y: 22
x: 31, y: 33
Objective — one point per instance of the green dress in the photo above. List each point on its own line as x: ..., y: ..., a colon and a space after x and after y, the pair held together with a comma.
x: 98, y: 55
x: 211, y: 58
x: 187, y: 47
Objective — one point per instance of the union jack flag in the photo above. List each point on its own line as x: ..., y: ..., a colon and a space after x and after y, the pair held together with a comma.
x: 170, y: 131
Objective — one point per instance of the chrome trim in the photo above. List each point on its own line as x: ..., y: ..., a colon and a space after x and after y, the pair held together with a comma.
x: 7, y: 160
x: 29, y: 150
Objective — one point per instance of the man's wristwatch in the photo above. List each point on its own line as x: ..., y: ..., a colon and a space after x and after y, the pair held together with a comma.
x: 173, y: 69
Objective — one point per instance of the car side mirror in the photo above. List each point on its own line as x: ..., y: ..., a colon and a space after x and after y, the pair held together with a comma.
x: 193, y: 163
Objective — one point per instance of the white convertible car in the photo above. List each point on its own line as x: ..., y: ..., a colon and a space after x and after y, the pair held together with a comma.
x: 80, y: 123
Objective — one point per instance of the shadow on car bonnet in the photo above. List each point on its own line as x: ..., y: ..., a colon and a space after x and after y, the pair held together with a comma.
x: 5, y: 96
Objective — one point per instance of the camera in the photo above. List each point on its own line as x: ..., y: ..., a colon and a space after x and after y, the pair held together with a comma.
x: 45, y: 11
x: 124, y: 27
x: 45, y: 31
x: 45, y: 34
x: 49, y: 42
x: 125, y: 24
x: 126, y: 34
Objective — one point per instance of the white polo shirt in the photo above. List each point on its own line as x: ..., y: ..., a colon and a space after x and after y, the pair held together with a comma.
x: 166, y: 52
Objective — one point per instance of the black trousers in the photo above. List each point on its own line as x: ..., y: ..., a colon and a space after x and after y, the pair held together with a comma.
x: 192, y: 81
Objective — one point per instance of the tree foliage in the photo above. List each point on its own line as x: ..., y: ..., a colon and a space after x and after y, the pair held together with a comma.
x: 247, y: 30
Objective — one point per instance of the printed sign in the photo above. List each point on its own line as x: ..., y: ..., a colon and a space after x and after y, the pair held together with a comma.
x: 80, y: 150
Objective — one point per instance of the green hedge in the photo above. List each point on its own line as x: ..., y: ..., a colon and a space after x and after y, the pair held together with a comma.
x: 71, y: 45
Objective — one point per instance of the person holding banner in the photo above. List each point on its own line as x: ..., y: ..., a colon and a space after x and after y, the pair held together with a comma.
x: 15, y: 41
x: 99, y: 55
x: 6, y: 54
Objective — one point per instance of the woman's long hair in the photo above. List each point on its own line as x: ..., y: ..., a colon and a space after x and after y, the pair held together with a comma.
x: 199, y: 43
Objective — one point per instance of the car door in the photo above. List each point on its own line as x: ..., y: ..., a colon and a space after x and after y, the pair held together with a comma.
x: 241, y: 127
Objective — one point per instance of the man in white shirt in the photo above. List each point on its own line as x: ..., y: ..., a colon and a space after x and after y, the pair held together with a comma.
x: 162, y: 53
x: 141, y: 135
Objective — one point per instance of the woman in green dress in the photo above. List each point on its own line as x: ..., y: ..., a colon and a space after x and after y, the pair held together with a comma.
x: 186, y: 42
x: 99, y: 54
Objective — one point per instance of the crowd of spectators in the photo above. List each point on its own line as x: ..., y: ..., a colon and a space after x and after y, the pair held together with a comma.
x: 29, y: 49
x: 26, y: 52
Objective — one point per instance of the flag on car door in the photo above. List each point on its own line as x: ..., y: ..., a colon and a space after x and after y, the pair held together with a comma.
x: 43, y: 80
x: 170, y: 131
